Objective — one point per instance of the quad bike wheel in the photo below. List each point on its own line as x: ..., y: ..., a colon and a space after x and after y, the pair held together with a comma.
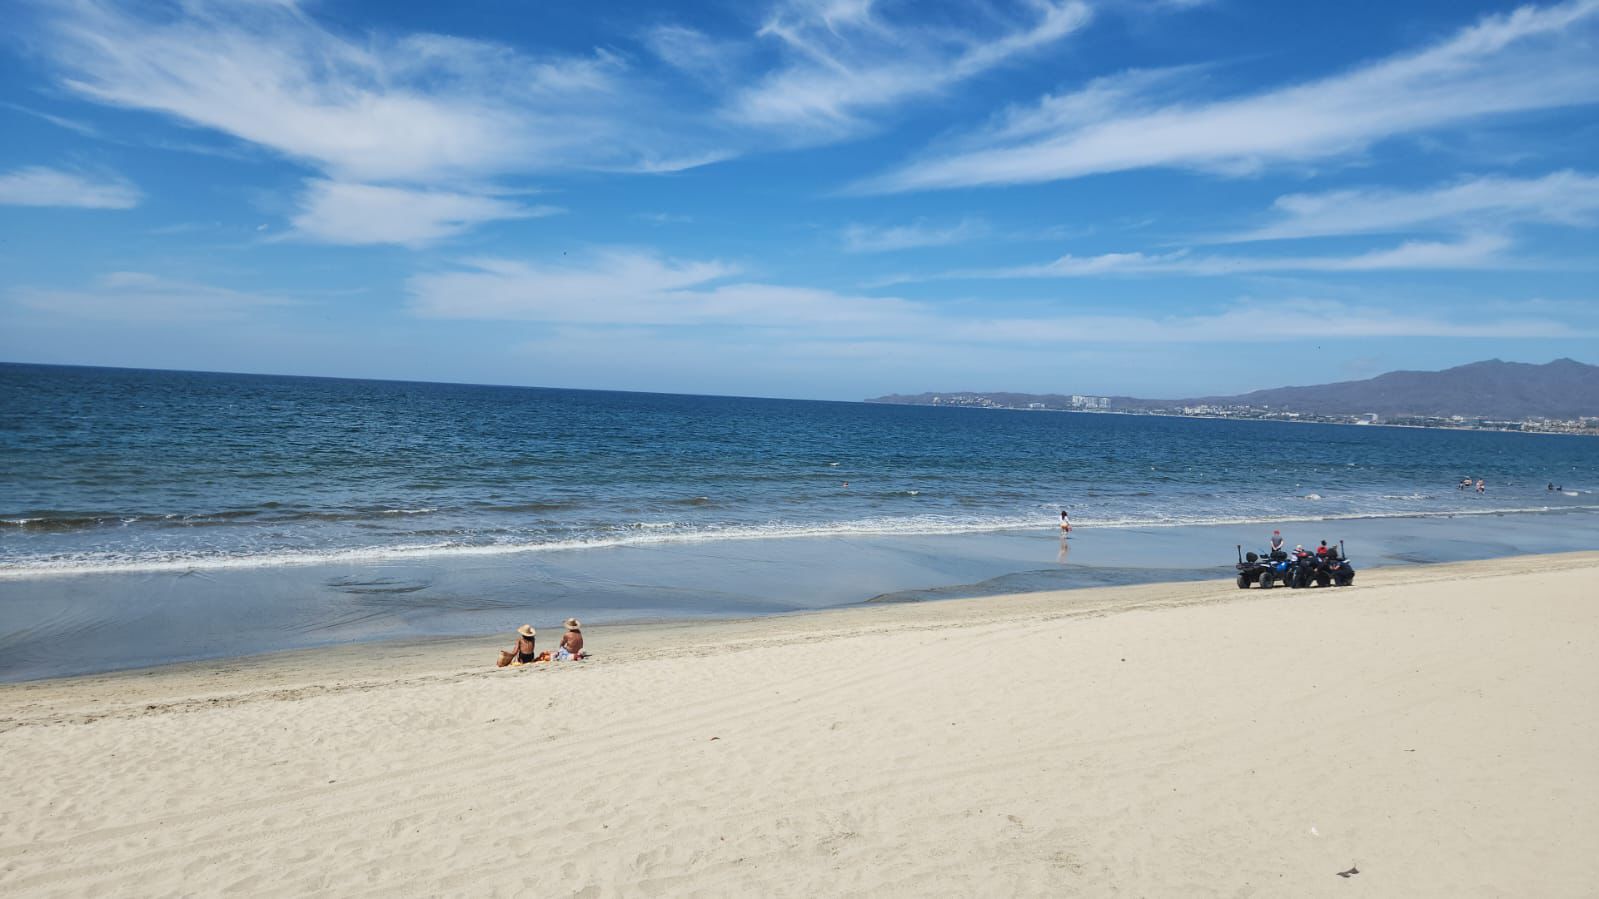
x: 1243, y: 582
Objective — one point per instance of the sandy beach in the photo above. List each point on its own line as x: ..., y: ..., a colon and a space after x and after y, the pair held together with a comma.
x: 1435, y: 727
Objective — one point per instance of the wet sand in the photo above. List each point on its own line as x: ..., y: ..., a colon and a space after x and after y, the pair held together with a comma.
x: 139, y: 619
x: 1436, y: 728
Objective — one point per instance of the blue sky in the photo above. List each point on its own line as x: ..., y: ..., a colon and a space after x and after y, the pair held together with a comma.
x: 807, y: 199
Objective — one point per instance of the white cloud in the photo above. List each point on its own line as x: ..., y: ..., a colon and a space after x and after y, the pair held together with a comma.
x: 868, y: 239
x: 1242, y: 321
x: 1566, y: 198
x: 420, y: 121
x: 612, y: 286
x: 653, y: 301
x: 140, y: 297
x: 841, y: 60
x: 1473, y: 252
x: 426, y: 109
x: 72, y: 125
x: 1530, y: 59
x: 342, y: 213
x: 636, y: 292
x: 41, y: 186
x: 417, y: 107
x: 692, y: 51
x: 635, y: 288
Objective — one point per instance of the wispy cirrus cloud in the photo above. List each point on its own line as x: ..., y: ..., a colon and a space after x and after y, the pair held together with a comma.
x: 375, y: 114
x: 369, y: 108
x: 73, y: 125
x: 664, y: 218
x: 843, y: 59
x: 1240, y: 322
x: 1478, y: 251
x: 142, y: 297
x: 1563, y: 198
x: 819, y: 71
x: 1533, y: 58
x: 712, y: 61
x: 343, y: 213
x: 654, y: 300
x: 45, y: 186
x: 611, y: 285
x: 636, y: 291
x: 858, y: 238
x: 381, y: 117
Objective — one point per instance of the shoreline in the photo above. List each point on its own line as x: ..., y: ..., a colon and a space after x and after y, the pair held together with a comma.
x: 1286, y: 421
x: 1434, y: 728
x: 448, y: 654
x: 141, y: 620
x: 737, y: 534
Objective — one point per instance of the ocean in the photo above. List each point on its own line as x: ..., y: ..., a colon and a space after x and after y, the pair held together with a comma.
x: 136, y: 488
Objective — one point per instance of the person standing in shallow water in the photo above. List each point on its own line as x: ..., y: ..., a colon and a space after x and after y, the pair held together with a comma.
x: 1065, y: 523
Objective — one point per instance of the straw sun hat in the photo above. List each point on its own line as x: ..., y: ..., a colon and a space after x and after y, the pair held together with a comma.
x: 526, y: 630
x: 572, y: 624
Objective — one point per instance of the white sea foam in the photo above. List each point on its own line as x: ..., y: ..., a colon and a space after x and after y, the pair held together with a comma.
x: 928, y: 525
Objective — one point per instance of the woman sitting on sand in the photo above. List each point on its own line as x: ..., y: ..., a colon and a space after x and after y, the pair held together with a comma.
x: 571, y: 642
x: 523, y: 652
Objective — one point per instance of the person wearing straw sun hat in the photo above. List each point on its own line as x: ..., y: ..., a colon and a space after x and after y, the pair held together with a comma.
x: 571, y: 642
x: 523, y: 652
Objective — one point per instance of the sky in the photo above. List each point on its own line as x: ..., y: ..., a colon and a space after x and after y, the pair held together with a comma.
x: 827, y: 199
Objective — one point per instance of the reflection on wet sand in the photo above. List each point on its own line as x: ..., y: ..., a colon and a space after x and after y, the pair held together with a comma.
x: 150, y: 618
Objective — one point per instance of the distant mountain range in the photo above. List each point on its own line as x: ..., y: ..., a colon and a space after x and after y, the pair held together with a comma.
x: 1494, y: 389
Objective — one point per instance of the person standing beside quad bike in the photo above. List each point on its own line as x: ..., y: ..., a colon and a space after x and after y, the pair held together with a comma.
x: 1305, y: 569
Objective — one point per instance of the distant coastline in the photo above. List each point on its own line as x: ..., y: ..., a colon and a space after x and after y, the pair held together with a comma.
x: 1574, y: 428
x: 1559, y: 397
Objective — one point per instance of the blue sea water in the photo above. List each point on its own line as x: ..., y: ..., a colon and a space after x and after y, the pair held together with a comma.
x: 123, y: 470
x: 176, y: 515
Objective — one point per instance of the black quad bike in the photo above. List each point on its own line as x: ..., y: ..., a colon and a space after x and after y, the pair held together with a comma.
x: 1339, y: 571
x: 1309, y: 570
x: 1266, y: 570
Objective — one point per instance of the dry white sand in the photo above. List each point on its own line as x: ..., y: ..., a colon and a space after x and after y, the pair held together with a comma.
x: 1438, y: 728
